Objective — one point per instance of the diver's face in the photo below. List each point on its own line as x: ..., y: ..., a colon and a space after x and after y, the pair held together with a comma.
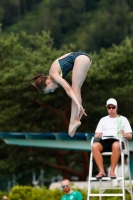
x: 51, y: 86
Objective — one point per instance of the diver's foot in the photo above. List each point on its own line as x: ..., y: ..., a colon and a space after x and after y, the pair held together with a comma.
x: 73, y: 127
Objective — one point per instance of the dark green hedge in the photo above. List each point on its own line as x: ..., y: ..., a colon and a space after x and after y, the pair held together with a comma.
x: 32, y: 193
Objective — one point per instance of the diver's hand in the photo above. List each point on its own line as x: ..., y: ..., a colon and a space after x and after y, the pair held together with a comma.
x: 81, y: 112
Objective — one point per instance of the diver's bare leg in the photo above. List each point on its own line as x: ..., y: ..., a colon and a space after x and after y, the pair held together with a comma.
x: 80, y: 69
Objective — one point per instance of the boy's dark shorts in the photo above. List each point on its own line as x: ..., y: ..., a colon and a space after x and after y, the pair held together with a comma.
x: 107, y: 144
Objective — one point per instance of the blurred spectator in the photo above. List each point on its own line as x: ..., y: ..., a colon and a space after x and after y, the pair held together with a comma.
x: 4, y: 198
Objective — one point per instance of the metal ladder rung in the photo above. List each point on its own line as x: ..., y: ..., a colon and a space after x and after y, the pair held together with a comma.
x: 115, y: 188
x: 104, y: 178
x: 105, y: 195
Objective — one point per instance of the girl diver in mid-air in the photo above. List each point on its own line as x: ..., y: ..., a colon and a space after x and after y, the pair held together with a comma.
x: 78, y: 63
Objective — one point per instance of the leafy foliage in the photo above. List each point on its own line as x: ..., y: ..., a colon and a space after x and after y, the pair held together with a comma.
x: 109, y: 76
x: 26, y: 193
x: 21, y: 105
x: 23, y: 161
x: 19, y: 102
x: 89, y: 24
x: 12, y: 11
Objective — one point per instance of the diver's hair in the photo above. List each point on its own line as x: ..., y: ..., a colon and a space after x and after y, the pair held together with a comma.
x: 39, y: 82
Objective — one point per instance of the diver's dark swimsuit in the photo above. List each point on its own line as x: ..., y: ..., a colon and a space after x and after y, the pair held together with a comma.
x: 67, y: 63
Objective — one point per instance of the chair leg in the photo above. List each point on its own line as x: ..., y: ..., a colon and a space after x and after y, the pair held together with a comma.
x: 90, y: 175
x: 123, y: 174
x: 129, y: 176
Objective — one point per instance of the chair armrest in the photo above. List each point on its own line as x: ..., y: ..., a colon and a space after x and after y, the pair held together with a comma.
x: 92, y: 141
x: 124, y: 146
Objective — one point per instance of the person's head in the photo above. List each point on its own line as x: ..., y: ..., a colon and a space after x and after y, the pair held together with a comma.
x: 43, y: 84
x: 65, y: 184
x: 4, y: 198
x: 111, y: 105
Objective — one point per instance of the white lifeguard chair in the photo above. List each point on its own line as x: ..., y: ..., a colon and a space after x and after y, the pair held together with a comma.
x: 124, y: 152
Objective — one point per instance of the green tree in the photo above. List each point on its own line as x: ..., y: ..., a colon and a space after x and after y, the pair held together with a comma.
x: 23, y: 161
x: 23, y: 109
x: 109, y: 76
x: 19, y: 101
x: 12, y: 11
x: 90, y: 25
